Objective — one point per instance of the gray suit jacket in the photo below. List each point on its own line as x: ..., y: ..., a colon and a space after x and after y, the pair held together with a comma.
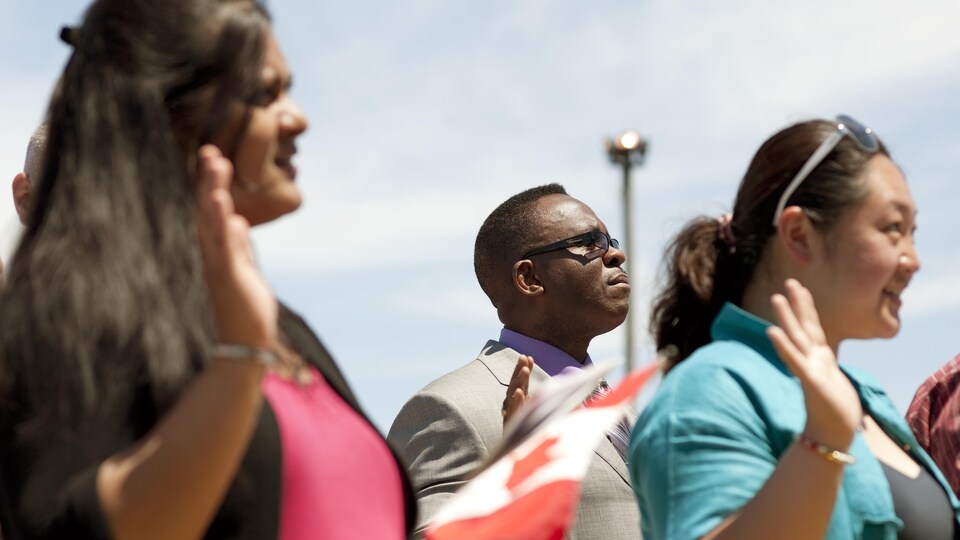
x: 450, y: 426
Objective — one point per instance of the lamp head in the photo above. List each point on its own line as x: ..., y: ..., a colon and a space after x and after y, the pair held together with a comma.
x: 628, y: 148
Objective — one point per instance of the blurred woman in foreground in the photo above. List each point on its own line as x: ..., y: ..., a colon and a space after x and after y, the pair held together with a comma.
x: 138, y: 338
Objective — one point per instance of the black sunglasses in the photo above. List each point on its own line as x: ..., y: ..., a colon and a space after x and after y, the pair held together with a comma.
x: 596, y: 239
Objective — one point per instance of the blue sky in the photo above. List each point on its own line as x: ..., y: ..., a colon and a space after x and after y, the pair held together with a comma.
x: 426, y: 114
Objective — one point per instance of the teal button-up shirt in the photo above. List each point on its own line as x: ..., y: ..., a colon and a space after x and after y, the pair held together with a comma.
x: 719, y: 422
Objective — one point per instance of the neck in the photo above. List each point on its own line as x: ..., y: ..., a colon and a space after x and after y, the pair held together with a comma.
x: 577, y: 349
x: 756, y: 301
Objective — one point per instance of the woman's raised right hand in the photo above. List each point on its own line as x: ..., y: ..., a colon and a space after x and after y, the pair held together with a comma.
x: 243, y: 304
x: 833, y: 407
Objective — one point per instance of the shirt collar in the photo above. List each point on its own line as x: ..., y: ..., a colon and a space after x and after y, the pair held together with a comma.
x: 735, y: 324
x: 549, y: 358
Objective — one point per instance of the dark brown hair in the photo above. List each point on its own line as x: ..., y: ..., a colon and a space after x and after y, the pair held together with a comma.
x: 106, y: 285
x: 702, y: 271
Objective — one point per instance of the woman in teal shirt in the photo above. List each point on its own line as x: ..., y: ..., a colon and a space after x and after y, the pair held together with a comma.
x: 757, y: 431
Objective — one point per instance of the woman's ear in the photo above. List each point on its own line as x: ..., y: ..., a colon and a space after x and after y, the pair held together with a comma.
x: 525, y: 278
x: 797, y: 237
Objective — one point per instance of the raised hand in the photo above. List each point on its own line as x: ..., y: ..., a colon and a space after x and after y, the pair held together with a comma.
x: 243, y: 304
x: 833, y: 407
x: 519, y: 387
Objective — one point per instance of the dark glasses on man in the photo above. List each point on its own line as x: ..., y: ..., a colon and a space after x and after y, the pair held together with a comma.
x: 846, y: 126
x: 596, y: 239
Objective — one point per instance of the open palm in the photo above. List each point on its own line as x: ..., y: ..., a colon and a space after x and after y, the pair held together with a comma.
x: 833, y: 406
x: 243, y: 304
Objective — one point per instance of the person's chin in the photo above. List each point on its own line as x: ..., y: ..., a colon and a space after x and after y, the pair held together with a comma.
x: 892, y: 320
x: 271, y: 210
x: 887, y: 325
x: 293, y: 202
x: 891, y: 311
x: 284, y: 199
x: 619, y: 314
x: 286, y: 206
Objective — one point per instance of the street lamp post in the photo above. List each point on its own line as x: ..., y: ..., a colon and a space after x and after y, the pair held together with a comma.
x: 627, y: 150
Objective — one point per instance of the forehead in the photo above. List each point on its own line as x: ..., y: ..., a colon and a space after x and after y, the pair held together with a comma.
x: 887, y: 188
x: 274, y: 63
x: 561, y: 216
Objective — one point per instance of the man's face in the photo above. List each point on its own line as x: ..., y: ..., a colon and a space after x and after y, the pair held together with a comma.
x: 585, y: 292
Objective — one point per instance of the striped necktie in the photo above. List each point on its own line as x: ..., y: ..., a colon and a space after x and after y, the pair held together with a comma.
x: 619, y: 433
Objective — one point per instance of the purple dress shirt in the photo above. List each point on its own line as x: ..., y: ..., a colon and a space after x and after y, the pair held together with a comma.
x: 549, y: 358
x: 555, y: 362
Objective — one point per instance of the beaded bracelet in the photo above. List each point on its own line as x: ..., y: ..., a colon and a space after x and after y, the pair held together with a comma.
x: 236, y: 351
x: 830, y: 454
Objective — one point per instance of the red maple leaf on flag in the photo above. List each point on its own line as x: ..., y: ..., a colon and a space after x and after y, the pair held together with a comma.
x: 531, y: 463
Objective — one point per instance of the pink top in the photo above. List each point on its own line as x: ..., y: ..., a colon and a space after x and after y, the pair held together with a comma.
x: 339, y: 478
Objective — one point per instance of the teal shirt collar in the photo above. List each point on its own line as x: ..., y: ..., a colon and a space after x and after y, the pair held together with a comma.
x: 735, y: 324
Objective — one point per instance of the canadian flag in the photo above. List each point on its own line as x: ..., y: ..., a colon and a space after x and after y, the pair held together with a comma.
x: 531, y: 492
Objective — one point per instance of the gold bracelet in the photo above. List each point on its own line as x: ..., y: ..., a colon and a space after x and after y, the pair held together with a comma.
x: 830, y: 454
x: 236, y: 351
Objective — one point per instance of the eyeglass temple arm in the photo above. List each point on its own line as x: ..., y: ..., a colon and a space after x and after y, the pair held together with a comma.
x: 563, y: 244
x: 825, y: 148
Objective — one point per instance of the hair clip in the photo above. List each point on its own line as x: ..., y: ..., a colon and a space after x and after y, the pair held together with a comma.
x: 69, y: 35
x: 725, y: 232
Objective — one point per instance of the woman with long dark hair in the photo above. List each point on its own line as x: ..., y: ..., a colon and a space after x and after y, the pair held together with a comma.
x: 757, y: 431
x: 152, y: 387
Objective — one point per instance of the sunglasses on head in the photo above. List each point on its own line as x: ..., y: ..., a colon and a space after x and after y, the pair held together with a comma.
x: 846, y: 126
x: 596, y: 239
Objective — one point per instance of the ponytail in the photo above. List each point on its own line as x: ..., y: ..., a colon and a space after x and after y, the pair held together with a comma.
x: 697, y: 285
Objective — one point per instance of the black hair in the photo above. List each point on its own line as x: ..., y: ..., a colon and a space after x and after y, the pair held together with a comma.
x: 505, y: 235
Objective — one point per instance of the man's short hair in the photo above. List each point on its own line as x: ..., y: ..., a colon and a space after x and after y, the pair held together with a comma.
x: 506, y: 234
x: 33, y: 163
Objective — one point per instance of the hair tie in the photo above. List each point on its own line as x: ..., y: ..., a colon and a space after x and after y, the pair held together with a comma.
x: 725, y: 231
x: 68, y: 35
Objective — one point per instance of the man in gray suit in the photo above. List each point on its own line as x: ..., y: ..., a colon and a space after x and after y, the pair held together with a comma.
x: 554, y: 275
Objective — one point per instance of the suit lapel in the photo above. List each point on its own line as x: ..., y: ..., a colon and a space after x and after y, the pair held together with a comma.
x: 502, y: 360
x: 608, y: 453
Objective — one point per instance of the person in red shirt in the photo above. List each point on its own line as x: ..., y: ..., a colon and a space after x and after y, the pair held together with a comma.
x: 934, y: 417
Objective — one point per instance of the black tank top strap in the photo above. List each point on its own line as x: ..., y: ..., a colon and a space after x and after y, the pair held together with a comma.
x: 922, y: 505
